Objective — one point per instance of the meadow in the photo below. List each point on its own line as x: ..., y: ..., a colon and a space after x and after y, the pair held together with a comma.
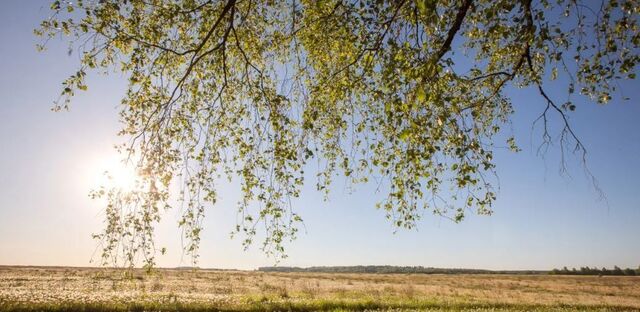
x: 91, y: 289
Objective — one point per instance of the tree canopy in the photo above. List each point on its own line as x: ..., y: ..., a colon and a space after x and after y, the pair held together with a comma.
x: 409, y: 94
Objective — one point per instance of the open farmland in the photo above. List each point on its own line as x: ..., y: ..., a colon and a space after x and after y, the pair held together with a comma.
x: 79, y: 289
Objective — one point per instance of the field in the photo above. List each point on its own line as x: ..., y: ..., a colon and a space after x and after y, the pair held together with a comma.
x: 76, y: 289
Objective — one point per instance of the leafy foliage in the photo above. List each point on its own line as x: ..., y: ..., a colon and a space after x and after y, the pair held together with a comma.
x: 409, y: 93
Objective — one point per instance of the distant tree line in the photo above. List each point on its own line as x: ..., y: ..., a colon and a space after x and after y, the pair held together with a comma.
x: 595, y: 271
x: 388, y: 269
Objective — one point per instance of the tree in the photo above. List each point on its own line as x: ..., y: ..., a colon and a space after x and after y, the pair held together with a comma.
x: 410, y: 93
x: 617, y: 270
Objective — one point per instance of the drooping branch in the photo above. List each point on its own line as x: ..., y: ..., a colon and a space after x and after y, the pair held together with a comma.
x: 370, y: 76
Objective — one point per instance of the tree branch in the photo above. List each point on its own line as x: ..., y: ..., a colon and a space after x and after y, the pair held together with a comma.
x: 446, y: 46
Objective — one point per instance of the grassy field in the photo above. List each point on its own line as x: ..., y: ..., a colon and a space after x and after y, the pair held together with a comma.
x: 73, y: 289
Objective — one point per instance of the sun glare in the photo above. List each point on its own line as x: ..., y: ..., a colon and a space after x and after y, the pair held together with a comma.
x: 114, y: 173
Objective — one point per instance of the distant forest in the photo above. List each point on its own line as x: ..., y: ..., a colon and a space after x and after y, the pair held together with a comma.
x: 392, y: 269
x: 595, y: 271
x: 381, y: 269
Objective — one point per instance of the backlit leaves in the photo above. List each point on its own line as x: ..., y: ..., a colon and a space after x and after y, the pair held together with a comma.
x: 408, y: 94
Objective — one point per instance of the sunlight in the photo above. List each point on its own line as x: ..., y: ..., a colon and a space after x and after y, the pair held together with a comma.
x: 112, y: 172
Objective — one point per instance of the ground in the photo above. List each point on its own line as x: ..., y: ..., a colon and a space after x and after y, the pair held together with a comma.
x: 90, y: 289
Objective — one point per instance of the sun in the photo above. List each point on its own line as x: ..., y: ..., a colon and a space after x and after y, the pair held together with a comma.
x: 113, y: 172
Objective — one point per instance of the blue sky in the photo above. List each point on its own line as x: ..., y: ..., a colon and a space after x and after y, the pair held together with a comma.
x: 49, y: 162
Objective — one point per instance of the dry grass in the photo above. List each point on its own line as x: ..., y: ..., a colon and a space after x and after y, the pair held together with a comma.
x: 238, y: 290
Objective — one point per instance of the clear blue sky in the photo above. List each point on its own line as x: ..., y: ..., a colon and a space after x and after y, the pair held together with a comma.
x: 48, y: 162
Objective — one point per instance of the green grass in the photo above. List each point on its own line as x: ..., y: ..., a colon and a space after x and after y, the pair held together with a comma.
x: 307, y: 305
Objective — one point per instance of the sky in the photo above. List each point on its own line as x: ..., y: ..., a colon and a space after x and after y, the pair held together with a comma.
x: 50, y: 161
